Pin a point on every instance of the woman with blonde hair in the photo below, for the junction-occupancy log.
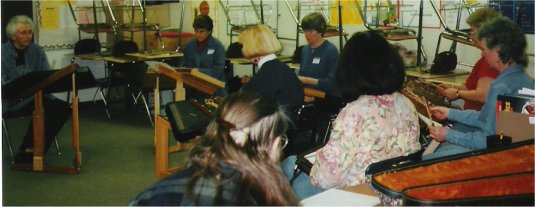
(236, 162)
(273, 78)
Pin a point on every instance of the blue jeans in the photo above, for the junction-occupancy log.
(301, 186)
(447, 148)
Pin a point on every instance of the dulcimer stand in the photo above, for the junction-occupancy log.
(189, 77)
(48, 84)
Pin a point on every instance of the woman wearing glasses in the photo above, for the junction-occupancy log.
(475, 89)
(236, 162)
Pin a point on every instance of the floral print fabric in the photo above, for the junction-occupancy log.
(367, 130)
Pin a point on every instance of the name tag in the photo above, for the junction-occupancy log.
(210, 51)
(316, 60)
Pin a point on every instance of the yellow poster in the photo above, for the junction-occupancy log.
(49, 13)
(350, 14)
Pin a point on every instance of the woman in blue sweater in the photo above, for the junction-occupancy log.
(319, 57)
(205, 52)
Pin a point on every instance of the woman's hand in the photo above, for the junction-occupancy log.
(438, 133)
(439, 112)
(442, 86)
(450, 93)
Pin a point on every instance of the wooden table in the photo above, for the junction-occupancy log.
(90, 56)
(156, 55)
(294, 66)
(124, 59)
(363, 188)
(455, 77)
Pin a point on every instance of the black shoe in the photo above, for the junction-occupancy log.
(24, 158)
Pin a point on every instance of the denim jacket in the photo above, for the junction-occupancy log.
(34, 56)
(508, 82)
(35, 59)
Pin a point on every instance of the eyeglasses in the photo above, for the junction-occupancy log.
(283, 141)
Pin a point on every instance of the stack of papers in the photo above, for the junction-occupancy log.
(527, 92)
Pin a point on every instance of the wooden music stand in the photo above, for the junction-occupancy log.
(192, 78)
(48, 84)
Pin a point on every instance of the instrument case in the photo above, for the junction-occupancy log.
(513, 159)
(507, 190)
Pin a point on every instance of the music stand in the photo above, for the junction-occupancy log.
(46, 82)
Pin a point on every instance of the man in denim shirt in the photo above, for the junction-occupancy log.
(19, 57)
(504, 46)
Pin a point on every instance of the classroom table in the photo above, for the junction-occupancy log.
(247, 61)
(363, 188)
(156, 55)
(124, 59)
(294, 66)
(457, 76)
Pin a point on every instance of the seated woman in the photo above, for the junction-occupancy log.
(378, 123)
(205, 52)
(274, 78)
(236, 162)
(475, 89)
(504, 49)
(319, 56)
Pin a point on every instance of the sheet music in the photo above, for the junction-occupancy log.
(526, 92)
(337, 197)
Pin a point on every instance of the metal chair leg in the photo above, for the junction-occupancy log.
(8, 141)
(147, 109)
(105, 103)
(136, 98)
(57, 146)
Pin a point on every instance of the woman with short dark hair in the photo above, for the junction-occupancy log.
(205, 52)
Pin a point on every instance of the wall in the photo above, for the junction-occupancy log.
(286, 25)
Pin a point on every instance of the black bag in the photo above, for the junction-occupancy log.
(444, 63)
(186, 120)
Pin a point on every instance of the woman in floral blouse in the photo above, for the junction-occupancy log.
(378, 123)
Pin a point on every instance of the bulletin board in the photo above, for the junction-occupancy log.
(55, 25)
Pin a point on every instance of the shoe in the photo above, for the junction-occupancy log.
(24, 158)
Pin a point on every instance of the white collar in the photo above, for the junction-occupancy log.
(265, 59)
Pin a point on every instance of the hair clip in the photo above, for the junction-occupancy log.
(226, 123)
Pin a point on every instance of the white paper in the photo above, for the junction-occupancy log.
(311, 157)
(431, 147)
(526, 92)
(336, 197)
